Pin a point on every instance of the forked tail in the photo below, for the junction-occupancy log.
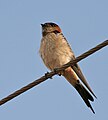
(85, 95)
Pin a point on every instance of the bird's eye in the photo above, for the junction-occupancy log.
(56, 31)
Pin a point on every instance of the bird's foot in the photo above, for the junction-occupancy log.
(47, 75)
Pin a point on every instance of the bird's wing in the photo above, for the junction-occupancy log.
(77, 70)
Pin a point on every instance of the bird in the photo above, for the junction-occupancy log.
(55, 51)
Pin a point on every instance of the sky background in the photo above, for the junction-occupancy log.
(85, 24)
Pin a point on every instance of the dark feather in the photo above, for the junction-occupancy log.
(85, 95)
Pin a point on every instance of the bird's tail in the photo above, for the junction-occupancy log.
(72, 78)
(85, 95)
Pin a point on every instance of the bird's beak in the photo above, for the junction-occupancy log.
(42, 25)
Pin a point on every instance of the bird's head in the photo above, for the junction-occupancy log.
(50, 28)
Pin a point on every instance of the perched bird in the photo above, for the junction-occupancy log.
(55, 52)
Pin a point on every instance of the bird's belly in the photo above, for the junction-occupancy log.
(55, 58)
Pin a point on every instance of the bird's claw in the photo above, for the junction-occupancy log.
(46, 75)
(55, 70)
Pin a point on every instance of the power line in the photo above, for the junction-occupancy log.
(51, 74)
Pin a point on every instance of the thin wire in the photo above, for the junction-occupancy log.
(51, 74)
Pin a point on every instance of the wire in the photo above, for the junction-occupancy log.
(51, 74)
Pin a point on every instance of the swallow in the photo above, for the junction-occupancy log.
(55, 51)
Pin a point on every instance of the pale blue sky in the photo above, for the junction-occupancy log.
(84, 24)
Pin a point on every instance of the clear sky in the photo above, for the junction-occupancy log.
(84, 24)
